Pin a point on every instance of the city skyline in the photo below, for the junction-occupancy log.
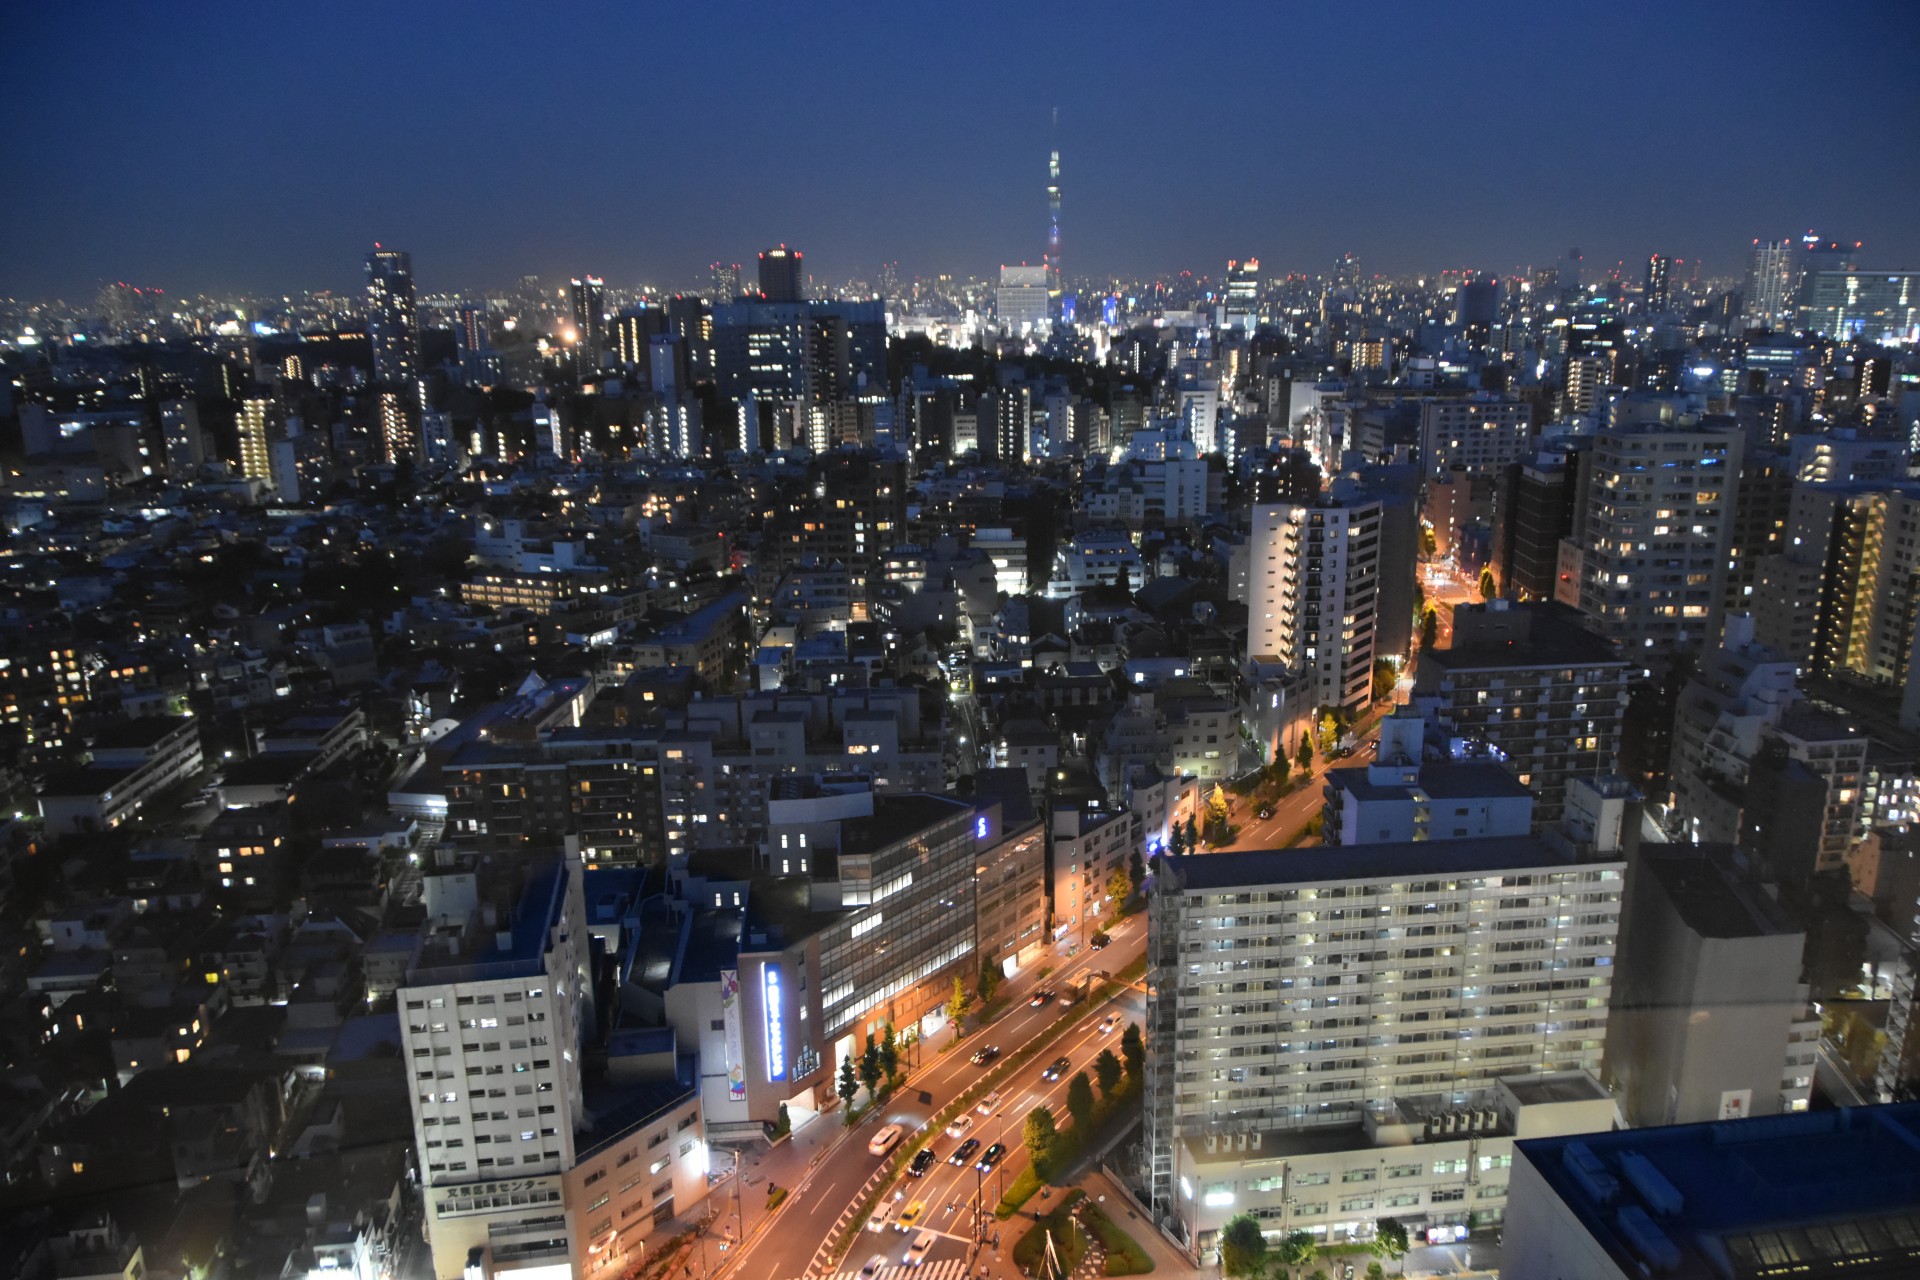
(451, 141)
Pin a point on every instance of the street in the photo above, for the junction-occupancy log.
(830, 1179)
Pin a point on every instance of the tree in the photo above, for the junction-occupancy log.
(890, 1052)
(1329, 733)
(989, 979)
(1488, 587)
(784, 1124)
(1106, 1069)
(1133, 1048)
(1243, 1250)
(1136, 870)
(1217, 812)
(1429, 540)
(849, 1085)
(1193, 834)
(1376, 1272)
(1384, 678)
(870, 1066)
(1119, 885)
(1389, 1240)
(1040, 1137)
(1176, 839)
(957, 1006)
(1304, 755)
(1429, 628)
(1080, 1099)
(1298, 1249)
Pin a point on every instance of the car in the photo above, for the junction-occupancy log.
(885, 1140)
(987, 1104)
(991, 1157)
(922, 1245)
(964, 1152)
(959, 1127)
(1108, 1023)
(985, 1054)
(875, 1265)
(1098, 941)
(922, 1161)
(1266, 811)
(911, 1214)
(1057, 1068)
(1039, 998)
(881, 1216)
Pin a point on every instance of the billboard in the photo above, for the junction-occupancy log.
(776, 1029)
(730, 1018)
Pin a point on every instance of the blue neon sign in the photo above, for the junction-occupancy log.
(776, 1030)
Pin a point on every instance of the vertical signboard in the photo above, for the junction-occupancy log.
(730, 1019)
(776, 1028)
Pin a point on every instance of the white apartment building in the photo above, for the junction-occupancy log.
(1482, 434)
(1314, 585)
(129, 763)
(1741, 690)
(490, 1020)
(1290, 989)
(1660, 513)
(1102, 558)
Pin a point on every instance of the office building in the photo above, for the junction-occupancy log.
(1588, 377)
(1314, 583)
(1827, 1193)
(589, 298)
(1659, 522)
(1538, 502)
(472, 332)
(1873, 306)
(391, 322)
(1242, 300)
(798, 352)
(1010, 873)
(1710, 1020)
(1021, 301)
(1543, 693)
(1265, 1013)
(780, 276)
(1006, 424)
(726, 281)
(183, 438)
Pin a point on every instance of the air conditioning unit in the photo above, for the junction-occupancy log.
(1256, 1140)
(1213, 1144)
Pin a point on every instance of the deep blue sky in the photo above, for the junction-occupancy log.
(204, 146)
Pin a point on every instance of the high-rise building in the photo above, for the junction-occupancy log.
(1243, 291)
(1818, 255)
(1056, 277)
(258, 423)
(1484, 434)
(1659, 521)
(183, 438)
(1530, 682)
(1658, 290)
(1314, 581)
(391, 322)
(491, 1016)
(399, 437)
(1588, 376)
(1538, 504)
(1006, 422)
(1739, 691)
(471, 330)
(1709, 1020)
(726, 281)
(634, 330)
(1877, 306)
(1021, 300)
(589, 296)
(808, 352)
(1266, 1014)
(780, 277)
(1771, 286)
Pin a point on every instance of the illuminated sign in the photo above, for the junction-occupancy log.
(776, 1033)
(980, 827)
(730, 1019)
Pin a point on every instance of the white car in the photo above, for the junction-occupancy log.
(958, 1129)
(881, 1216)
(987, 1104)
(885, 1140)
(922, 1245)
(875, 1265)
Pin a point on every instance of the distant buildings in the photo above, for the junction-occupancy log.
(392, 322)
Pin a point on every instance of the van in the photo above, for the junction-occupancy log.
(922, 1245)
(884, 1141)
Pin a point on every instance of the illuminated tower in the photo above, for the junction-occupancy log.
(1056, 286)
(390, 315)
(1659, 288)
(589, 322)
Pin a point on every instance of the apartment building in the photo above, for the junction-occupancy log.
(1534, 685)
(130, 763)
(1398, 797)
(1482, 434)
(1089, 843)
(1314, 582)
(490, 1021)
(1299, 988)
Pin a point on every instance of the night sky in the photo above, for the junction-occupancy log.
(207, 147)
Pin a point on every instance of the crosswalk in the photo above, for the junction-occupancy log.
(946, 1269)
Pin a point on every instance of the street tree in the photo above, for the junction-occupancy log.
(957, 1006)
(1119, 885)
(1303, 756)
(1389, 1240)
(1080, 1099)
(1106, 1070)
(890, 1052)
(849, 1085)
(870, 1066)
(1488, 587)
(1040, 1137)
(1133, 1049)
(989, 979)
(1429, 628)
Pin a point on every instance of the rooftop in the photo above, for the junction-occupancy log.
(1709, 894)
(1812, 1193)
(1343, 864)
(897, 818)
(1441, 780)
